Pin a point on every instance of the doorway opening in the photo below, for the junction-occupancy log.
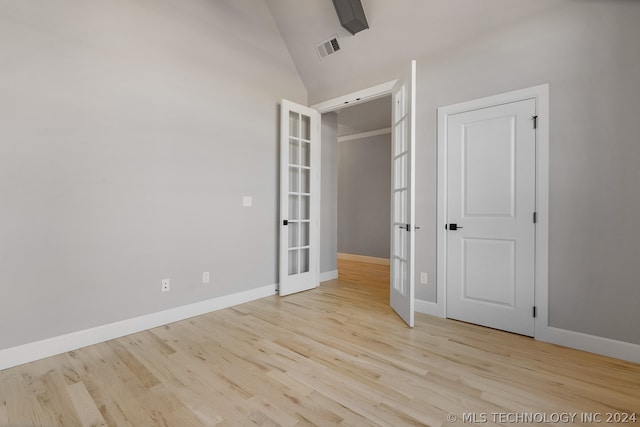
(402, 195)
(363, 150)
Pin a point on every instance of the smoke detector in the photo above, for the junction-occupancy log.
(328, 47)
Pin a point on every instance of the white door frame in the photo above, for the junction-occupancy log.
(541, 287)
(355, 98)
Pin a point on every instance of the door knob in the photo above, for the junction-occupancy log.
(453, 227)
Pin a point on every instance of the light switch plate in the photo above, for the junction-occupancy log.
(424, 278)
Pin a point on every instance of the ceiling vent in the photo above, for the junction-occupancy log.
(328, 47)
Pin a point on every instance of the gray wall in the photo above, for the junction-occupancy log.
(364, 193)
(129, 132)
(588, 52)
(329, 195)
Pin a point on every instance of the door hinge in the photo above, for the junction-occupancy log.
(535, 217)
(535, 311)
(535, 122)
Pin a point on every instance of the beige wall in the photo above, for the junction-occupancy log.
(364, 195)
(129, 132)
(588, 52)
(329, 194)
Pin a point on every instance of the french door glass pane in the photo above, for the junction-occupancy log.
(294, 151)
(294, 179)
(396, 239)
(304, 260)
(304, 234)
(294, 124)
(402, 244)
(397, 283)
(293, 262)
(400, 105)
(293, 235)
(305, 180)
(305, 207)
(294, 207)
(398, 142)
(404, 277)
(400, 207)
(404, 141)
(400, 168)
(306, 127)
(305, 153)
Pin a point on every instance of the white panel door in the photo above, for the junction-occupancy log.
(403, 196)
(299, 198)
(491, 167)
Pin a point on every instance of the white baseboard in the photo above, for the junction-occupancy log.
(591, 343)
(328, 275)
(580, 341)
(428, 307)
(25, 353)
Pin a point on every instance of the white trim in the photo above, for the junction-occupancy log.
(542, 209)
(427, 307)
(61, 344)
(591, 343)
(541, 95)
(328, 275)
(355, 98)
(361, 135)
(577, 340)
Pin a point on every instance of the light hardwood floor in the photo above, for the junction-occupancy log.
(363, 269)
(337, 355)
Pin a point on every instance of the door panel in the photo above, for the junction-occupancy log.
(299, 198)
(491, 199)
(489, 270)
(489, 191)
(403, 196)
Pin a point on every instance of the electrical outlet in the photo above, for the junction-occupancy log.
(424, 279)
(247, 201)
(205, 277)
(166, 285)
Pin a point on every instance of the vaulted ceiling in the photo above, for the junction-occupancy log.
(400, 30)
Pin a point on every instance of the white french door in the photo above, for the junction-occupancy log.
(403, 196)
(491, 199)
(299, 198)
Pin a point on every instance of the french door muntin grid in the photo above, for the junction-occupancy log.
(400, 194)
(299, 193)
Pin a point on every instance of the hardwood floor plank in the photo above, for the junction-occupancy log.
(4, 415)
(86, 410)
(336, 355)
